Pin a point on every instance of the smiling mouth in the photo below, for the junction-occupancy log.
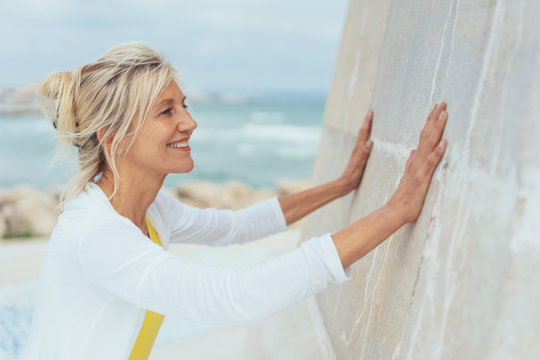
(179, 144)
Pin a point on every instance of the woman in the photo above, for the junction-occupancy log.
(104, 286)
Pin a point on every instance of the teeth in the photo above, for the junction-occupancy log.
(179, 144)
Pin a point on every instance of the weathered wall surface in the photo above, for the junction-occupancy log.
(463, 282)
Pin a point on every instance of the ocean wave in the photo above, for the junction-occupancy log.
(267, 117)
(251, 142)
(283, 133)
(296, 152)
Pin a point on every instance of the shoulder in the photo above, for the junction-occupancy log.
(164, 200)
(166, 206)
(166, 211)
(89, 212)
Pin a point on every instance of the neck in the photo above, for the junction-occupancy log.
(134, 194)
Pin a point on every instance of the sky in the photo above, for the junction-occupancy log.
(216, 45)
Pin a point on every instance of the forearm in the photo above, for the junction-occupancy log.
(296, 206)
(362, 236)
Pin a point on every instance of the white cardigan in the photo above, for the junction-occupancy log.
(99, 274)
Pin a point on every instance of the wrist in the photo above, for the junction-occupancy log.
(395, 213)
(342, 187)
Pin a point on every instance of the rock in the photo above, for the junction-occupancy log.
(10, 196)
(202, 194)
(3, 225)
(4, 197)
(29, 212)
(261, 195)
(238, 189)
(238, 194)
(232, 195)
(55, 192)
(285, 187)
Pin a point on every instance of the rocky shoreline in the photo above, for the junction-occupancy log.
(26, 211)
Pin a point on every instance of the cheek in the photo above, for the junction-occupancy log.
(147, 145)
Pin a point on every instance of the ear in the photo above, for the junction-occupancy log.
(100, 133)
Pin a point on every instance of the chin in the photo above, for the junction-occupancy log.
(186, 168)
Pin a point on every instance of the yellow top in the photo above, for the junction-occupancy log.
(152, 320)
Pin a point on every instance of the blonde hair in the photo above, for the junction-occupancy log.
(110, 93)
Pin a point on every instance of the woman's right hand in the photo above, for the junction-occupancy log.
(410, 194)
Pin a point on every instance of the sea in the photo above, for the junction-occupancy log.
(257, 141)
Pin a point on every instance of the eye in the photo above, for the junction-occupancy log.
(166, 111)
(185, 103)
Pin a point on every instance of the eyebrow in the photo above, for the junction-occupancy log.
(170, 101)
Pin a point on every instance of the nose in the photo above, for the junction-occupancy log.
(186, 123)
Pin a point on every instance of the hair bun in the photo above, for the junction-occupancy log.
(56, 97)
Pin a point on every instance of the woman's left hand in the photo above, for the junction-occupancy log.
(351, 177)
(296, 206)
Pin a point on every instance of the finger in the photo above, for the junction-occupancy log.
(431, 135)
(440, 108)
(428, 126)
(434, 114)
(440, 125)
(435, 157)
(363, 152)
(411, 155)
(369, 146)
(365, 129)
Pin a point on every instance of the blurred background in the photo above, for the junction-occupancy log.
(256, 74)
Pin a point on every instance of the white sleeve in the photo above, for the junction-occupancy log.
(131, 267)
(222, 227)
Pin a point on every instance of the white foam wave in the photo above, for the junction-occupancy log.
(266, 117)
(285, 133)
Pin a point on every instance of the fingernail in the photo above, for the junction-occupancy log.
(369, 144)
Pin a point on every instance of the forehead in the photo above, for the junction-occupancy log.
(171, 93)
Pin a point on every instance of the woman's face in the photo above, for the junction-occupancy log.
(161, 145)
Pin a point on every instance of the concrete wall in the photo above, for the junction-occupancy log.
(463, 282)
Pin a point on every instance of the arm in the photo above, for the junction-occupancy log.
(405, 205)
(119, 259)
(224, 227)
(221, 227)
(296, 206)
